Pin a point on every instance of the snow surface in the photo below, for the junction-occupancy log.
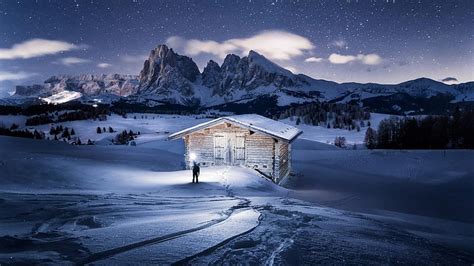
(328, 135)
(110, 204)
(62, 97)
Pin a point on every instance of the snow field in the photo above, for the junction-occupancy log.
(156, 127)
(122, 204)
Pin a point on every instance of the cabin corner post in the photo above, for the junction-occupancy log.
(276, 168)
(186, 152)
(289, 158)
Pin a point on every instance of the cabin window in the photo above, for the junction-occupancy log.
(227, 124)
(265, 166)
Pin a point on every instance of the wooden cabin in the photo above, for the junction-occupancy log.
(248, 140)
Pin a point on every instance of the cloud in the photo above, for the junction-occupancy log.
(368, 59)
(314, 59)
(450, 80)
(104, 65)
(36, 48)
(9, 76)
(341, 59)
(133, 58)
(273, 44)
(339, 43)
(69, 61)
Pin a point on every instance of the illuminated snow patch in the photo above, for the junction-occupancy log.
(62, 97)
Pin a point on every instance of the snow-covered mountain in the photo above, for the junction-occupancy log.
(173, 78)
(168, 77)
(176, 79)
(59, 89)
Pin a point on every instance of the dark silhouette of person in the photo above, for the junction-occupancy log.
(196, 172)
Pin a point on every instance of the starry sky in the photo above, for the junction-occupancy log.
(384, 41)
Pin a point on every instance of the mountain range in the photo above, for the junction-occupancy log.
(170, 78)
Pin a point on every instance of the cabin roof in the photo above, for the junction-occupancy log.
(253, 122)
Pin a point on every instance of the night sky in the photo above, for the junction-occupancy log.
(363, 41)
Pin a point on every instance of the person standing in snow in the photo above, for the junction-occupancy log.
(196, 171)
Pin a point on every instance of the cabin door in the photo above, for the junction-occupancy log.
(229, 149)
(220, 147)
(239, 150)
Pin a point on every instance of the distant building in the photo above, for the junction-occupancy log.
(248, 140)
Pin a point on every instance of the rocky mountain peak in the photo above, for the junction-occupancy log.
(253, 54)
(162, 57)
(212, 76)
(212, 65)
(230, 62)
(257, 60)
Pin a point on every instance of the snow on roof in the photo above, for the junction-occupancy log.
(252, 121)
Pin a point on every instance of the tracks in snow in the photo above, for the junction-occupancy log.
(240, 211)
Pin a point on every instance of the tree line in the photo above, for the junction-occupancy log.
(330, 115)
(96, 114)
(13, 131)
(431, 132)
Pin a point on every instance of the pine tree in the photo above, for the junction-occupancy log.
(123, 138)
(111, 130)
(340, 142)
(73, 132)
(99, 130)
(298, 121)
(66, 134)
(36, 135)
(370, 139)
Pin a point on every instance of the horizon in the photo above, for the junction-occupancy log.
(343, 41)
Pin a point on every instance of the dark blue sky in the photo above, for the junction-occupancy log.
(364, 41)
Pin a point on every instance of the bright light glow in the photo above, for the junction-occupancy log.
(192, 156)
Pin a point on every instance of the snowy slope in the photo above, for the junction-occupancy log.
(133, 205)
(328, 135)
(159, 127)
